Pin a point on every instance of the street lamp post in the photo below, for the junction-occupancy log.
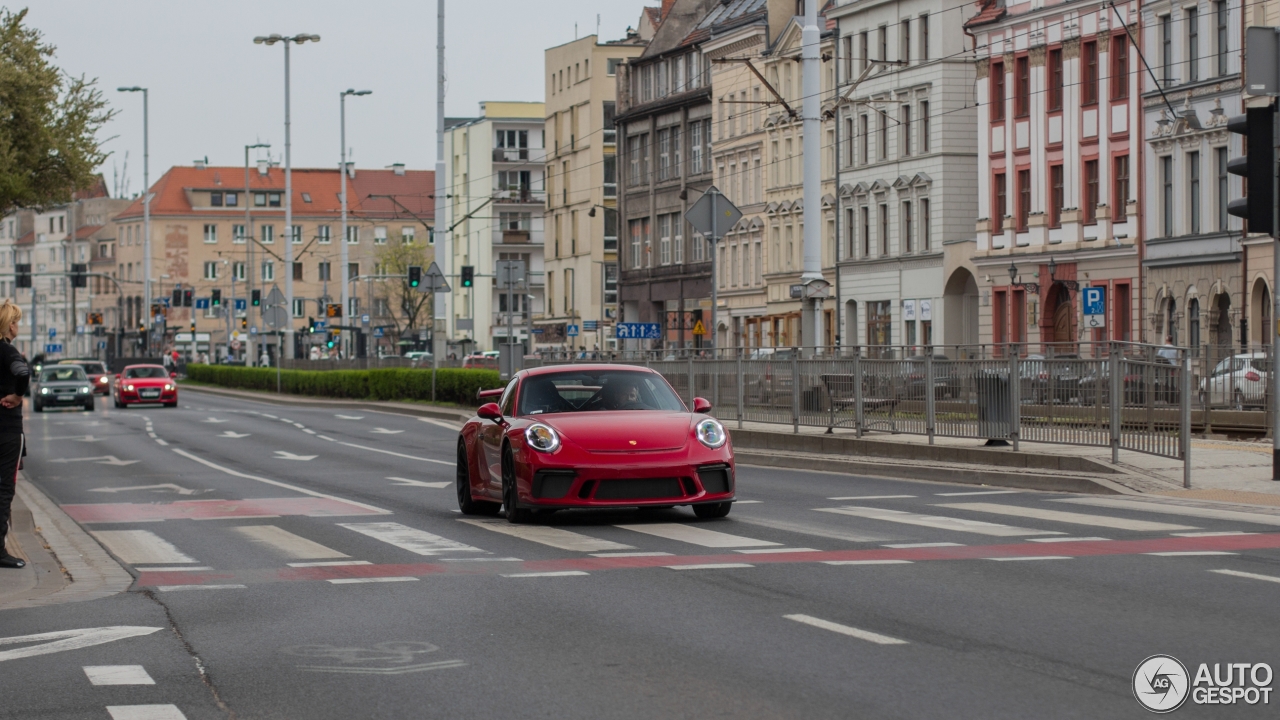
(248, 245)
(288, 174)
(342, 170)
(146, 212)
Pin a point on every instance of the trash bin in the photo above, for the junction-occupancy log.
(811, 400)
(994, 422)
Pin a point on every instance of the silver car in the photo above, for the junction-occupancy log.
(61, 386)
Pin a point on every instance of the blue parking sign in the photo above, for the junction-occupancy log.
(1095, 300)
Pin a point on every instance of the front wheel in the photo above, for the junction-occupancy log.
(709, 511)
(467, 504)
(511, 496)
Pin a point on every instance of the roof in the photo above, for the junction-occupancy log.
(680, 26)
(730, 11)
(989, 11)
(321, 186)
(84, 232)
(28, 239)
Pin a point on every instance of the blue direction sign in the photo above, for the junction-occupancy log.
(590, 325)
(202, 303)
(1095, 300)
(102, 344)
(639, 331)
(571, 330)
(539, 331)
(53, 333)
(241, 304)
(53, 348)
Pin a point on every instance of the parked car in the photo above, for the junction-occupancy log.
(61, 386)
(946, 379)
(97, 373)
(1139, 379)
(768, 381)
(1051, 380)
(1239, 381)
(487, 360)
(140, 384)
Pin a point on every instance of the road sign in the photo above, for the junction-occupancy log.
(53, 348)
(253, 329)
(510, 272)
(590, 325)
(538, 331)
(434, 281)
(235, 334)
(235, 344)
(377, 332)
(321, 325)
(53, 333)
(639, 331)
(571, 330)
(699, 328)
(241, 304)
(102, 344)
(1095, 300)
(713, 214)
(273, 311)
(202, 303)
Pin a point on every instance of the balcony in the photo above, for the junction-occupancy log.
(515, 237)
(519, 155)
(518, 319)
(643, 275)
(520, 196)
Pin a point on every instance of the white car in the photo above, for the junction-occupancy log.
(1238, 381)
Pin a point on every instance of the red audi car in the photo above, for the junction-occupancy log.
(139, 384)
(592, 436)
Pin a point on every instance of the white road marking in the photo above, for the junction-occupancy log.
(805, 529)
(233, 434)
(309, 431)
(163, 486)
(1170, 509)
(142, 547)
(1068, 539)
(418, 542)
(709, 566)
(346, 417)
(1212, 534)
(867, 635)
(632, 554)
(866, 562)
(1030, 557)
(450, 463)
(871, 497)
(697, 535)
(562, 573)
(286, 455)
(325, 437)
(277, 483)
(118, 675)
(145, 712)
(384, 431)
(473, 559)
(555, 537)
(273, 417)
(286, 420)
(442, 423)
(286, 543)
(214, 420)
(180, 588)
(101, 460)
(300, 426)
(1251, 576)
(979, 492)
(767, 551)
(1115, 523)
(177, 568)
(904, 546)
(938, 522)
(161, 442)
(1189, 553)
(406, 482)
(63, 640)
(328, 563)
(357, 581)
(747, 502)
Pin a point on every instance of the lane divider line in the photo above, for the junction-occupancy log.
(1251, 576)
(564, 573)
(867, 635)
(277, 483)
(402, 455)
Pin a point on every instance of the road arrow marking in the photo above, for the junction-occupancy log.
(103, 460)
(406, 482)
(162, 487)
(349, 417)
(64, 640)
(215, 420)
(234, 434)
(384, 431)
(286, 455)
(79, 438)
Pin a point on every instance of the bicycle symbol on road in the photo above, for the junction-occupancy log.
(385, 658)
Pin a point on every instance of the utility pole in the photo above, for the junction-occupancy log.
(811, 66)
(248, 246)
(441, 303)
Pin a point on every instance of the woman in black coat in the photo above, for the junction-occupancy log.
(15, 377)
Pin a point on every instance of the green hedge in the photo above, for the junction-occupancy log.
(452, 385)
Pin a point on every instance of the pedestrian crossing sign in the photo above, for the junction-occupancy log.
(699, 328)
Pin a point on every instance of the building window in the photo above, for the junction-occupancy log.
(407, 235)
(1024, 199)
(1166, 186)
(1193, 190)
(637, 242)
(866, 231)
(997, 91)
(926, 240)
(924, 126)
(273, 199)
(215, 199)
(904, 128)
(268, 271)
(1193, 322)
(211, 270)
(1001, 204)
(1090, 191)
(238, 271)
(879, 323)
(211, 233)
(610, 176)
(1193, 45)
(353, 235)
(1220, 11)
(299, 307)
(883, 145)
(865, 45)
(864, 134)
(924, 37)
(884, 230)
(1120, 188)
(1022, 87)
(380, 235)
(1056, 195)
(904, 41)
(268, 233)
(1089, 80)
(324, 271)
(664, 154)
(1220, 161)
(695, 147)
(260, 199)
(297, 271)
(1119, 67)
(908, 227)
(1054, 100)
(324, 235)
(664, 242)
(633, 157)
(233, 199)
(353, 270)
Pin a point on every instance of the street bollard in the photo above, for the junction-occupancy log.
(930, 409)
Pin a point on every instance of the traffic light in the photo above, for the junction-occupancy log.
(193, 326)
(468, 276)
(177, 296)
(78, 275)
(1257, 167)
(333, 310)
(244, 323)
(188, 297)
(415, 276)
(216, 297)
(311, 324)
(257, 297)
(333, 338)
(23, 275)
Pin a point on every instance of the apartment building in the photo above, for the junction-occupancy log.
(495, 166)
(209, 231)
(908, 159)
(1059, 119)
(581, 254)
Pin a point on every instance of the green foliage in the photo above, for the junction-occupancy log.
(48, 122)
(410, 309)
(452, 385)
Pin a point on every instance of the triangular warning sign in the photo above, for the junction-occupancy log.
(699, 328)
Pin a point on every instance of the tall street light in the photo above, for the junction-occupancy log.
(146, 213)
(288, 176)
(248, 246)
(342, 170)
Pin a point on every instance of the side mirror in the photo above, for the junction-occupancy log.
(701, 405)
(490, 411)
(173, 376)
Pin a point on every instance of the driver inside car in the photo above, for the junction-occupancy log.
(623, 394)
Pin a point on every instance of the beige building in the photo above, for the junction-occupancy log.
(581, 255)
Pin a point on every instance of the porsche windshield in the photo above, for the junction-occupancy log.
(577, 391)
(145, 372)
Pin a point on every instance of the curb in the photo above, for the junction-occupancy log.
(459, 416)
(70, 565)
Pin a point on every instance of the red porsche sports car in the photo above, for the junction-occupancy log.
(592, 436)
(145, 384)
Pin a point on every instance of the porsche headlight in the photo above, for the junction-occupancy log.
(711, 433)
(542, 438)
(44, 391)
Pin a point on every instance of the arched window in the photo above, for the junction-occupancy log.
(1193, 323)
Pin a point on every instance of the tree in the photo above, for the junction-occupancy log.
(408, 307)
(49, 122)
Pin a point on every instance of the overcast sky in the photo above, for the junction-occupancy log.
(213, 91)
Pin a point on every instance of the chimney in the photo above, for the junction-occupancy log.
(264, 166)
(397, 168)
(201, 163)
(351, 170)
(666, 7)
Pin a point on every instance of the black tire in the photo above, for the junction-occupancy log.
(708, 511)
(37, 407)
(88, 407)
(119, 405)
(171, 405)
(467, 504)
(511, 498)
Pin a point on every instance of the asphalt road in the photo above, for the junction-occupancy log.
(311, 563)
